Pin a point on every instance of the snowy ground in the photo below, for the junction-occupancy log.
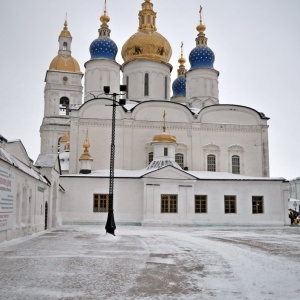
(153, 263)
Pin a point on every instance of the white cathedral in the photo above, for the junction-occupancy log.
(180, 158)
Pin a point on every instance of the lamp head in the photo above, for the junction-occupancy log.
(106, 89)
(123, 88)
(122, 102)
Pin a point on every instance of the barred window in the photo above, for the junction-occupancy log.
(179, 159)
(200, 204)
(169, 203)
(150, 157)
(165, 151)
(211, 162)
(230, 204)
(235, 161)
(257, 204)
(101, 202)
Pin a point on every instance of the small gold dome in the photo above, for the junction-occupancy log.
(104, 18)
(164, 137)
(147, 43)
(201, 28)
(65, 63)
(64, 138)
(65, 32)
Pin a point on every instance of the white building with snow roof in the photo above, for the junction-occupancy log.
(215, 169)
(28, 196)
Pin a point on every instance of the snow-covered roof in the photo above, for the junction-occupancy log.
(6, 156)
(46, 160)
(130, 104)
(200, 175)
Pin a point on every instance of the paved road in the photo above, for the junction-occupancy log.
(153, 263)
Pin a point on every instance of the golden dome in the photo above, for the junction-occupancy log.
(64, 138)
(65, 63)
(147, 43)
(164, 137)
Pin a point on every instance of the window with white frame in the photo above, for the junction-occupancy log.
(179, 158)
(211, 163)
(236, 159)
(235, 163)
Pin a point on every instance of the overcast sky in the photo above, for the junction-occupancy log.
(256, 45)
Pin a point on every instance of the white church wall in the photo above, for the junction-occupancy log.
(154, 111)
(202, 84)
(76, 205)
(138, 201)
(134, 76)
(272, 193)
(100, 73)
(230, 114)
(29, 196)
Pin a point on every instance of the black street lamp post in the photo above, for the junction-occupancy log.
(110, 223)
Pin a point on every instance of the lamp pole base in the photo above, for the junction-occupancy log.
(110, 223)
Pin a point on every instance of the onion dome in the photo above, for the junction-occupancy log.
(65, 63)
(64, 60)
(147, 43)
(65, 138)
(164, 137)
(103, 47)
(179, 84)
(201, 56)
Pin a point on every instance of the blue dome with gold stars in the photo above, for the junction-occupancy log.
(202, 57)
(179, 87)
(103, 48)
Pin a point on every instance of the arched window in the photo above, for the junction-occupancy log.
(65, 46)
(150, 157)
(146, 85)
(166, 87)
(235, 162)
(179, 159)
(211, 163)
(64, 106)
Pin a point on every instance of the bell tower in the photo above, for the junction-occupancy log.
(63, 89)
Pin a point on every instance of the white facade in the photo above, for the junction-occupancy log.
(220, 150)
(137, 73)
(137, 198)
(99, 74)
(28, 198)
(202, 87)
